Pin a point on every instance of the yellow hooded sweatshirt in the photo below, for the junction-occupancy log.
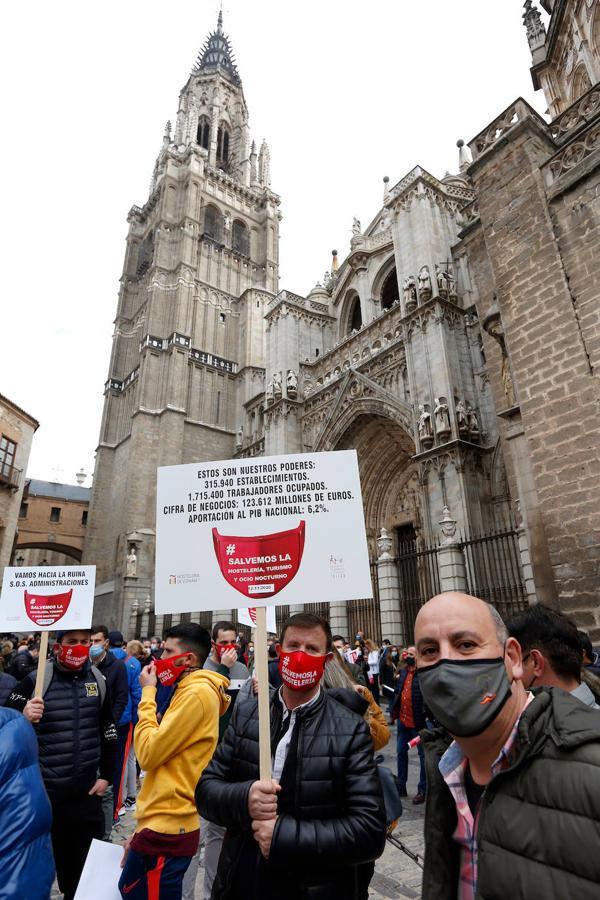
(175, 753)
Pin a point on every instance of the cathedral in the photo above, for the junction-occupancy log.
(457, 348)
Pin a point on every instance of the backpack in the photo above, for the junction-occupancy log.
(98, 676)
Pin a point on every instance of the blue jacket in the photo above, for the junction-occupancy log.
(7, 683)
(135, 691)
(418, 705)
(26, 862)
(118, 652)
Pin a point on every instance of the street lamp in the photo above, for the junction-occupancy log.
(20, 560)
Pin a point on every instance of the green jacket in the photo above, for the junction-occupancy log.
(538, 833)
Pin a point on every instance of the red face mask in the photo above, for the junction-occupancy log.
(169, 670)
(72, 657)
(300, 671)
(223, 648)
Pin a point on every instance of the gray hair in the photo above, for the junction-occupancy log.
(499, 626)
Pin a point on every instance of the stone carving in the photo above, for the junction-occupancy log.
(462, 418)
(292, 384)
(239, 438)
(227, 221)
(131, 562)
(409, 289)
(277, 389)
(442, 417)
(447, 526)
(473, 423)
(445, 282)
(147, 604)
(269, 394)
(424, 283)
(356, 226)
(384, 544)
(425, 426)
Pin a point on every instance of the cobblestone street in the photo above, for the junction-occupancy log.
(396, 875)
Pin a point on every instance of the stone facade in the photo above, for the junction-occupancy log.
(16, 435)
(52, 524)
(456, 347)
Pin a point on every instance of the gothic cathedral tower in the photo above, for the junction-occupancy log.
(188, 352)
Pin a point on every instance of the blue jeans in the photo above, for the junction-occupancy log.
(404, 736)
(153, 877)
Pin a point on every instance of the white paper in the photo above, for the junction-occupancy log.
(246, 617)
(47, 598)
(101, 873)
(315, 494)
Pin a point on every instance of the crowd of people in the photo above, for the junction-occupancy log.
(504, 717)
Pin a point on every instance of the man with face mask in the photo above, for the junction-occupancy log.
(77, 739)
(409, 712)
(304, 832)
(224, 660)
(172, 754)
(509, 809)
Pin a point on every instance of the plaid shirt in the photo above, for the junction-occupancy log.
(452, 767)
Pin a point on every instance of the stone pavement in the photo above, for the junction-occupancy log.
(396, 875)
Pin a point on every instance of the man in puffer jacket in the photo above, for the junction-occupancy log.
(304, 833)
(26, 864)
(77, 738)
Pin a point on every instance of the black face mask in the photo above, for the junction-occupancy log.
(410, 660)
(465, 695)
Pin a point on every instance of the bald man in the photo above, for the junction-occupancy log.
(513, 799)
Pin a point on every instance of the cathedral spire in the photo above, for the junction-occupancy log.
(536, 31)
(217, 54)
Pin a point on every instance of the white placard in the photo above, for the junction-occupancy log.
(247, 616)
(102, 867)
(47, 598)
(273, 530)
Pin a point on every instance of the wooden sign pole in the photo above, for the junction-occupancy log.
(262, 677)
(41, 668)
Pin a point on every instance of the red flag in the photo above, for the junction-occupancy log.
(262, 565)
(46, 609)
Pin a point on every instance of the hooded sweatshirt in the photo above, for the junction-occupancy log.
(175, 754)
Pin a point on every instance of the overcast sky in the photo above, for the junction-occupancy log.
(344, 92)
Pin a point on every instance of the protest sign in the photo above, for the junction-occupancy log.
(280, 529)
(247, 616)
(275, 530)
(48, 598)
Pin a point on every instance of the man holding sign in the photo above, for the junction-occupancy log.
(305, 831)
(77, 740)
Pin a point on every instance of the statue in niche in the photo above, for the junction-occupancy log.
(409, 289)
(445, 281)
(462, 417)
(425, 426)
(131, 562)
(356, 226)
(226, 221)
(424, 282)
(442, 417)
(473, 421)
(239, 438)
(270, 394)
(291, 382)
(277, 389)
(492, 323)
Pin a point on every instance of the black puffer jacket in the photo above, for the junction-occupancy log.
(76, 735)
(331, 814)
(539, 820)
(7, 683)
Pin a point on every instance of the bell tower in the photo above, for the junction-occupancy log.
(201, 265)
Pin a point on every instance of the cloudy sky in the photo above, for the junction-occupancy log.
(344, 92)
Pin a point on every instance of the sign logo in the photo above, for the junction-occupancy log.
(172, 579)
(263, 564)
(47, 609)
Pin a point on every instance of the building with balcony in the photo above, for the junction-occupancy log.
(16, 435)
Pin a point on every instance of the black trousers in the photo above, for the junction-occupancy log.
(76, 820)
